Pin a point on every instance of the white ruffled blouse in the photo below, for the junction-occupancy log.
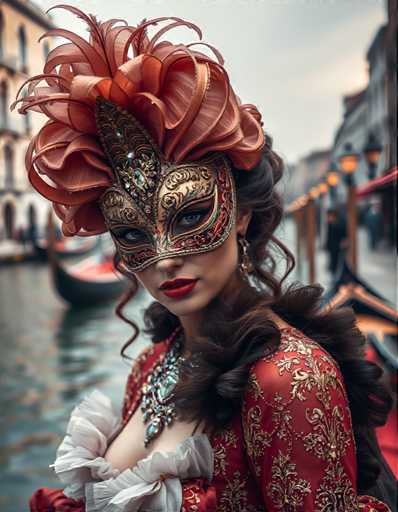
(81, 466)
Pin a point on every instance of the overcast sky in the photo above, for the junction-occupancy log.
(294, 59)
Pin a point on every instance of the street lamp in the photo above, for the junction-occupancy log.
(323, 188)
(349, 161)
(348, 164)
(332, 179)
(372, 151)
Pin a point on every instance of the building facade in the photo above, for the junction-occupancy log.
(353, 130)
(307, 173)
(391, 37)
(373, 110)
(377, 121)
(21, 56)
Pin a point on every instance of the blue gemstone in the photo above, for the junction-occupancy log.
(139, 178)
(153, 428)
(167, 387)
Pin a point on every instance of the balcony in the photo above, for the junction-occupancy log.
(10, 63)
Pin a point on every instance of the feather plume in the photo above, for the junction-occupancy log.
(182, 96)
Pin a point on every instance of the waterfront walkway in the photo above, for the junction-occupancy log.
(378, 268)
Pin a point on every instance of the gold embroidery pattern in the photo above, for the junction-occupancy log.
(295, 343)
(220, 462)
(227, 437)
(308, 373)
(323, 379)
(255, 437)
(335, 491)
(191, 498)
(282, 418)
(234, 498)
(230, 438)
(286, 489)
(255, 387)
(329, 440)
(286, 364)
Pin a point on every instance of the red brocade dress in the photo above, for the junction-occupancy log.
(290, 449)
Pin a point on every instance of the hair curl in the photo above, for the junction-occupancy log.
(238, 331)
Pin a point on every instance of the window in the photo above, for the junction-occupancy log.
(22, 48)
(9, 220)
(1, 35)
(9, 167)
(32, 216)
(3, 104)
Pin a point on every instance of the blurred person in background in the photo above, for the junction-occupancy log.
(374, 225)
(336, 239)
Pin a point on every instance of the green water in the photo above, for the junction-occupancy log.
(50, 357)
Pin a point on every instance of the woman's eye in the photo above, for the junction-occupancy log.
(131, 236)
(190, 219)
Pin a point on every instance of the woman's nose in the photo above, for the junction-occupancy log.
(169, 265)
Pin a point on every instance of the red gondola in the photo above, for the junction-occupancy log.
(377, 319)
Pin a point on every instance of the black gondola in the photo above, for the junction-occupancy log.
(375, 314)
(92, 281)
(88, 282)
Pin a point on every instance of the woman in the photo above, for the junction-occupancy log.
(250, 398)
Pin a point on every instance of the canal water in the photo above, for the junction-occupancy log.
(50, 358)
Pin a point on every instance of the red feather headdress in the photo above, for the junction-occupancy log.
(180, 95)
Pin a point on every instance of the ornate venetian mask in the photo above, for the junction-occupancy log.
(157, 209)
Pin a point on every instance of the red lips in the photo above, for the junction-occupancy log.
(178, 287)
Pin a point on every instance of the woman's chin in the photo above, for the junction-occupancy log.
(187, 306)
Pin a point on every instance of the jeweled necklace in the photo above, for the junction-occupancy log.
(156, 405)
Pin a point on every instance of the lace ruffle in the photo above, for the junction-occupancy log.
(153, 484)
(80, 455)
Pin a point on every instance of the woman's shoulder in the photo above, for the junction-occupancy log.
(140, 364)
(141, 367)
(298, 367)
(148, 357)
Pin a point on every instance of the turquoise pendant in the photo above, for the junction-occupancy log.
(156, 404)
(166, 387)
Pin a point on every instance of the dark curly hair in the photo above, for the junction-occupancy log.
(238, 330)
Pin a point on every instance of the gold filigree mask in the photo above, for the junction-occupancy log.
(157, 209)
